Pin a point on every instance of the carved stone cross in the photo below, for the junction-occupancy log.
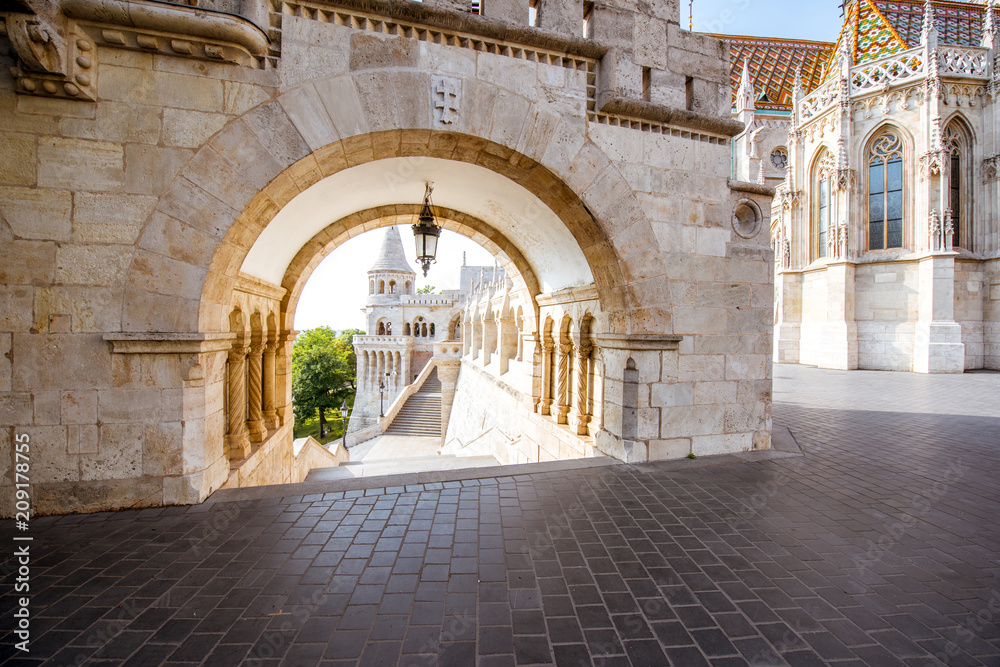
(446, 99)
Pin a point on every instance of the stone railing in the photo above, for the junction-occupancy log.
(382, 341)
(426, 300)
(881, 74)
(965, 61)
(819, 100)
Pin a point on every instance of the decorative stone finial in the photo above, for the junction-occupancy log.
(745, 96)
(930, 27)
(989, 26)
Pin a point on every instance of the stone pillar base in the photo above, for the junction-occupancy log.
(938, 348)
(238, 447)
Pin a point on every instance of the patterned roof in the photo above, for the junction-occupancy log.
(957, 22)
(772, 64)
(873, 29)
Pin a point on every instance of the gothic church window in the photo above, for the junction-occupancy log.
(822, 208)
(885, 193)
(958, 143)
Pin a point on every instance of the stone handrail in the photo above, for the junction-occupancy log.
(379, 428)
(381, 341)
(890, 71)
(819, 100)
(965, 61)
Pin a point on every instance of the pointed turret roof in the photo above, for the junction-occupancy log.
(391, 258)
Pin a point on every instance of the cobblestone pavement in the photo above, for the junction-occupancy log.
(879, 546)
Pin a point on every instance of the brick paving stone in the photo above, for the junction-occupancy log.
(877, 546)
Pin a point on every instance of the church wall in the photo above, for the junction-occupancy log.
(971, 293)
(991, 323)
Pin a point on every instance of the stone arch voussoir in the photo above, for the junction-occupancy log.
(240, 180)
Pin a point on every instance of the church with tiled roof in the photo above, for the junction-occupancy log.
(883, 146)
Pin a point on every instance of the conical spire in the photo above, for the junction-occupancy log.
(391, 258)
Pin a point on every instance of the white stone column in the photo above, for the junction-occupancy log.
(562, 383)
(447, 370)
(270, 414)
(580, 416)
(237, 443)
(255, 418)
(937, 346)
(548, 349)
(842, 351)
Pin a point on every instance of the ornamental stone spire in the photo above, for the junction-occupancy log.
(391, 258)
(745, 96)
(989, 27)
(930, 27)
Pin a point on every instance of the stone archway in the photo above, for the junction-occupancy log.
(255, 166)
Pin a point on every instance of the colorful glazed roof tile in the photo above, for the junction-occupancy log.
(773, 63)
(957, 22)
(872, 29)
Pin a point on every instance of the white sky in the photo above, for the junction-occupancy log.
(336, 292)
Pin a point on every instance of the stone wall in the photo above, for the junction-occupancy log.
(489, 417)
(128, 223)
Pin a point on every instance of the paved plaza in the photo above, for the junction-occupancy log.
(878, 545)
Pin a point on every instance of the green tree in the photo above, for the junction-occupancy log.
(323, 372)
(427, 289)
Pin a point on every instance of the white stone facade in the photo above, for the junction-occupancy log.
(921, 293)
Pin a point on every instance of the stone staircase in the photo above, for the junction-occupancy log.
(407, 466)
(421, 414)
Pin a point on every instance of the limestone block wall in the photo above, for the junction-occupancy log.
(971, 294)
(490, 417)
(991, 309)
(126, 224)
(78, 185)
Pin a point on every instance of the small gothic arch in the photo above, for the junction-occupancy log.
(381, 287)
(822, 210)
(958, 141)
(392, 287)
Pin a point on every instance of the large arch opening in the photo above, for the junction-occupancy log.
(538, 252)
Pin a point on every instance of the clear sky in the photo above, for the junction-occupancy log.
(817, 20)
(335, 294)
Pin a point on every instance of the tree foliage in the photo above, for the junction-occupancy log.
(323, 372)
(427, 289)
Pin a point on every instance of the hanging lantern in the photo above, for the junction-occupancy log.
(426, 233)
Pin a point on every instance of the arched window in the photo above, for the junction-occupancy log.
(823, 172)
(406, 329)
(371, 286)
(958, 142)
(392, 287)
(381, 287)
(381, 329)
(432, 330)
(406, 289)
(885, 193)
